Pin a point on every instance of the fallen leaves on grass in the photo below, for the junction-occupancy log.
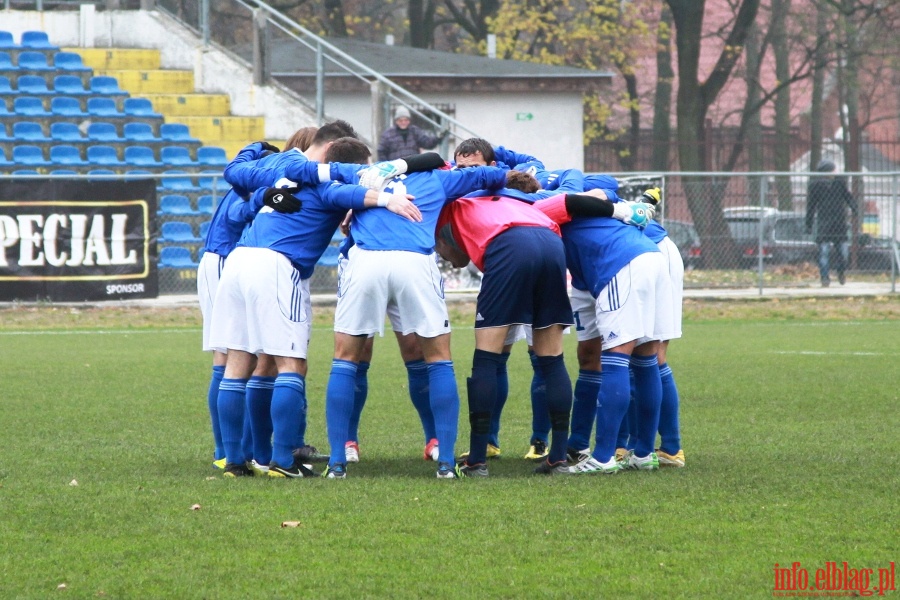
(73, 483)
(195, 507)
(291, 523)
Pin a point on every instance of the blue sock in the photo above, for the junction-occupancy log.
(584, 409)
(247, 435)
(417, 374)
(540, 416)
(648, 397)
(482, 394)
(231, 404)
(288, 408)
(669, 429)
(259, 409)
(360, 393)
(212, 401)
(339, 400)
(444, 407)
(631, 420)
(612, 403)
(502, 396)
(559, 403)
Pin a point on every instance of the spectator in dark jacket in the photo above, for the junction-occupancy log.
(826, 209)
(404, 139)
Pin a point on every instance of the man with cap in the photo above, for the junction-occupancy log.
(826, 208)
(404, 138)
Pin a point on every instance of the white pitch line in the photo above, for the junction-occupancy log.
(821, 353)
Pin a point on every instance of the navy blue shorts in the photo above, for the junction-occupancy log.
(524, 280)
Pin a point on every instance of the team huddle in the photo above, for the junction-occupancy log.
(522, 226)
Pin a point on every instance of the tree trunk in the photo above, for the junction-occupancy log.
(662, 105)
(754, 120)
(818, 89)
(782, 153)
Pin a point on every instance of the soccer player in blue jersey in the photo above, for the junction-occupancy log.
(263, 304)
(393, 260)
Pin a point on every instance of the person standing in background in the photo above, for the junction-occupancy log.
(826, 208)
(404, 139)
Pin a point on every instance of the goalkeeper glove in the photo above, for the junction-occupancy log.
(282, 199)
(652, 196)
(634, 213)
(266, 146)
(375, 176)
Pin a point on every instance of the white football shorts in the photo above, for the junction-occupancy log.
(393, 312)
(261, 305)
(636, 305)
(373, 280)
(676, 275)
(208, 274)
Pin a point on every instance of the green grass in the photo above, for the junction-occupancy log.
(791, 457)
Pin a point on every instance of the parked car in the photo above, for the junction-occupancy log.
(779, 236)
(875, 253)
(685, 237)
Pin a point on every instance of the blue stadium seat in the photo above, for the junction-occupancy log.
(30, 106)
(176, 204)
(69, 85)
(103, 107)
(63, 172)
(6, 88)
(65, 132)
(213, 181)
(29, 131)
(176, 156)
(7, 42)
(69, 61)
(28, 155)
(65, 106)
(104, 85)
(38, 40)
(67, 155)
(206, 204)
(101, 172)
(204, 229)
(25, 172)
(212, 156)
(34, 61)
(176, 257)
(4, 136)
(33, 85)
(103, 132)
(176, 132)
(139, 107)
(104, 155)
(179, 184)
(6, 63)
(139, 132)
(177, 231)
(4, 162)
(329, 258)
(4, 112)
(140, 156)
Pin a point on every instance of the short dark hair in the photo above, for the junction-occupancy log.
(474, 145)
(333, 131)
(524, 182)
(348, 150)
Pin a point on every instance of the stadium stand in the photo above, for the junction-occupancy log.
(34, 61)
(140, 132)
(104, 156)
(70, 61)
(101, 131)
(69, 85)
(176, 205)
(29, 155)
(33, 85)
(179, 232)
(104, 107)
(37, 40)
(66, 106)
(67, 155)
(7, 42)
(141, 156)
(29, 106)
(29, 131)
(66, 132)
(176, 257)
(206, 204)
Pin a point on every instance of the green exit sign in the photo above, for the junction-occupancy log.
(524, 116)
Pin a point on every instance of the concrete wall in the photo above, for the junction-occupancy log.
(214, 71)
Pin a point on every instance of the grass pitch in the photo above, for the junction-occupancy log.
(789, 420)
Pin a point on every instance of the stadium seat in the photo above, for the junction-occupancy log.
(212, 156)
(31, 156)
(206, 204)
(38, 40)
(104, 155)
(69, 61)
(65, 132)
(30, 106)
(140, 156)
(4, 135)
(63, 172)
(33, 85)
(4, 162)
(177, 182)
(103, 107)
(330, 257)
(101, 172)
(177, 231)
(176, 132)
(25, 172)
(4, 112)
(6, 63)
(67, 155)
(139, 174)
(6, 88)
(29, 131)
(7, 42)
(69, 85)
(176, 204)
(65, 106)
(176, 257)
(139, 107)
(204, 229)
(139, 132)
(213, 181)
(34, 61)
(103, 132)
(176, 156)
(106, 86)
